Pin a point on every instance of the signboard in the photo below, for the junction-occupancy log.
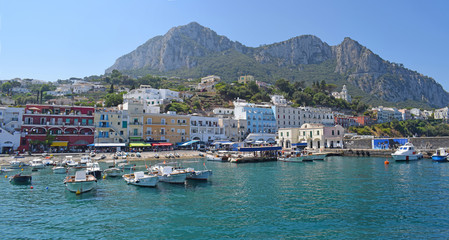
(388, 143)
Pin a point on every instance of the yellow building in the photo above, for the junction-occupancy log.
(170, 127)
(111, 128)
(246, 79)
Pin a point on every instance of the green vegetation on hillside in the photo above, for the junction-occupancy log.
(408, 128)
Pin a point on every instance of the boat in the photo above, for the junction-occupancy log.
(215, 157)
(80, 182)
(126, 166)
(93, 168)
(141, 179)
(198, 175)
(20, 179)
(17, 164)
(85, 159)
(113, 172)
(59, 169)
(302, 156)
(156, 155)
(169, 172)
(406, 152)
(177, 155)
(440, 155)
(37, 163)
(69, 162)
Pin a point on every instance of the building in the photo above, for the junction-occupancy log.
(223, 112)
(291, 117)
(363, 120)
(245, 79)
(235, 130)
(442, 113)
(317, 136)
(278, 100)
(169, 127)
(57, 127)
(152, 96)
(111, 128)
(343, 94)
(135, 110)
(206, 129)
(387, 114)
(10, 125)
(345, 121)
(260, 118)
(208, 83)
(406, 114)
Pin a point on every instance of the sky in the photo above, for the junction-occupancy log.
(51, 40)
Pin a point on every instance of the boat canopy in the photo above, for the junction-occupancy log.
(256, 149)
(188, 143)
(225, 142)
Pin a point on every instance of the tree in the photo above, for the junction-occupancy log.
(113, 99)
(111, 89)
(6, 87)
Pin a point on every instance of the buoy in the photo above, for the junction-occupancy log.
(387, 162)
(31, 187)
(104, 176)
(46, 188)
(22, 169)
(6, 176)
(78, 192)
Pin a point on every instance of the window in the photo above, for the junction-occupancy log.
(162, 131)
(338, 132)
(318, 133)
(173, 121)
(287, 134)
(172, 130)
(149, 121)
(163, 121)
(121, 133)
(135, 132)
(333, 132)
(281, 134)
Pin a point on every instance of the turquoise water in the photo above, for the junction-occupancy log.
(352, 198)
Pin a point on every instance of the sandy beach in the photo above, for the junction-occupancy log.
(149, 156)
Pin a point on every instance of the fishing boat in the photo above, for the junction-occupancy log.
(93, 168)
(440, 155)
(407, 152)
(85, 159)
(301, 156)
(113, 171)
(169, 172)
(69, 162)
(37, 163)
(59, 169)
(255, 154)
(211, 157)
(141, 179)
(198, 175)
(20, 179)
(17, 164)
(80, 182)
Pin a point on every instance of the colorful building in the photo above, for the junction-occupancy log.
(169, 128)
(57, 127)
(111, 128)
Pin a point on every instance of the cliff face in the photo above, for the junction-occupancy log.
(182, 47)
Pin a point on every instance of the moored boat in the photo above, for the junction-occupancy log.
(169, 172)
(37, 163)
(113, 172)
(80, 182)
(141, 179)
(211, 157)
(59, 169)
(407, 152)
(20, 179)
(198, 175)
(440, 155)
(302, 156)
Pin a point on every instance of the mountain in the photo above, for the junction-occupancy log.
(196, 51)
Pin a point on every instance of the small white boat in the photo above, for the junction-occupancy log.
(198, 175)
(169, 173)
(126, 166)
(69, 162)
(85, 159)
(407, 152)
(59, 169)
(440, 155)
(37, 163)
(156, 155)
(215, 157)
(301, 156)
(93, 168)
(80, 183)
(17, 164)
(113, 172)
(141, 179)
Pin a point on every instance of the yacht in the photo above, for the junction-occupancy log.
(406, 152)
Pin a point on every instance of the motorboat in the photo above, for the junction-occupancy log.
(37, 163)
(17, 164)
(198, 175)
(113, 172)
(80, 182)
(59, 170)
(69, 162)
(177, 155)
(141, 179)
(156, 155)
(127, 166)
(302, 156)
(169, 172)
(93, 168)
(440, 155)
(215, 157)
(406, 152)
(20, 179)
(85, 159)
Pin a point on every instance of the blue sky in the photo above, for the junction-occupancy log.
(52, 40)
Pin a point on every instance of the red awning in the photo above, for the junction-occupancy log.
(161, 144)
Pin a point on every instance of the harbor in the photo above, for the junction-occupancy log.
(320, 198)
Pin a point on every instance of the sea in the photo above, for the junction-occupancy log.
(338, 198)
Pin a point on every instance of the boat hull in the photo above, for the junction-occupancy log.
(113, 172)
(81, 186)
(177, 178)
(200, 175)
(405, 157)
(20, 180)
(59, 170)
(147, 181)
(439, 158)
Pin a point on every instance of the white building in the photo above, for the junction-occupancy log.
(294, 117)
(20, 90)
(10, 124)
(81, 87)
(152, 96)
(317, 136)
(208, 82)
(259, 117)
(343, 94)
(387, 114)
(442, 113)
(234, 129)
(223, 111)
(278, 100)
(206, 129)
